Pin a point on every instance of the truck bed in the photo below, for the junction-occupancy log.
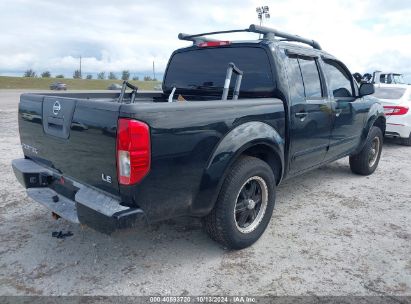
(79, 142)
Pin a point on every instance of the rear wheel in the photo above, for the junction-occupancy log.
(366, 161)
(244, 206)
(406, 141)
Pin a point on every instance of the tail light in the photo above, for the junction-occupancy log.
(133, 151)
(213, 43)
(395, 110)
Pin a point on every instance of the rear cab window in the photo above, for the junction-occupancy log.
(202, 71)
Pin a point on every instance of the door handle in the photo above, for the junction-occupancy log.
(301, 115)
(338, 112)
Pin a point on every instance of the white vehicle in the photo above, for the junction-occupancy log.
(396, 100)
(387, 78)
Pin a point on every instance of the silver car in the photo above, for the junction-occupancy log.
(58, 86)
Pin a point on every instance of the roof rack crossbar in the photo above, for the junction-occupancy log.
(268, 33)
(195, 40)
(198, 38)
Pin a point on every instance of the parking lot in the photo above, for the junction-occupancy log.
(332, 233)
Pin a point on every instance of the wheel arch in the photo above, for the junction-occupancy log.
(268, 155)
(376, 118)
(380, 122)
(255, 139)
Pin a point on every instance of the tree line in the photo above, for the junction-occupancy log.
(125, 75)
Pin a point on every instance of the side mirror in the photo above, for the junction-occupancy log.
(366, 89)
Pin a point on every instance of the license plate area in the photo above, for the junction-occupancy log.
(64, 187)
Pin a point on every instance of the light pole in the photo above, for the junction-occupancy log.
(263, 13)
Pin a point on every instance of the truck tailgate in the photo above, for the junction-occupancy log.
(76, 137)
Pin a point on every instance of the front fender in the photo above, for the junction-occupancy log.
(227, 152)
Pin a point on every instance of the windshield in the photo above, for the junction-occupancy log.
(392, 78)
(389, 93)
(397, 79)
(203, 71)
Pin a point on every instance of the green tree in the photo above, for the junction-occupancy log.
(46, 74)
(29, 73)
(89, 76)
(136, 78)
(125, 75)
(147, 78)
(77, 74)
(101, 75)
(112, 76)
(60, 76)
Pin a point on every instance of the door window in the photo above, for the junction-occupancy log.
(296, 81)
(311, 77)
(338, 79)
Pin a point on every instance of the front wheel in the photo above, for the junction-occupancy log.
(366, 161)
(244, 206)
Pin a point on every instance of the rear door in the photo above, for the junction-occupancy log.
(76, 137)
(310, 113)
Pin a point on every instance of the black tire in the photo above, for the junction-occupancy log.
(365, 162)
(222, 225)
(406, 141)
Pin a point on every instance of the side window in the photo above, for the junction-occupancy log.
(338, 80)
(296, 81)
(311, 77)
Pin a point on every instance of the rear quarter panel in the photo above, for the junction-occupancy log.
(184, 138)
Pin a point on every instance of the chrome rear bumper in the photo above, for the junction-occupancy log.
(90, 206)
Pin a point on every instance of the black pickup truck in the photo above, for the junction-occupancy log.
(206, 146)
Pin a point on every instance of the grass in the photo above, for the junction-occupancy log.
(72, 84)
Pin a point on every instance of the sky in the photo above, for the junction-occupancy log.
(130, 34)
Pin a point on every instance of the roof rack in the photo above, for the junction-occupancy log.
(269, 34)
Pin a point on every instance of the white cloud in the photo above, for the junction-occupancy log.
(51, 35)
